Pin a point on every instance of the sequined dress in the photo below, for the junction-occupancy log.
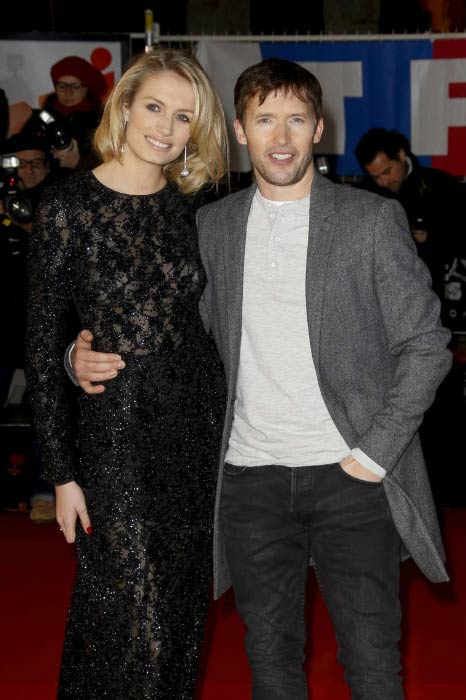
(145, 450)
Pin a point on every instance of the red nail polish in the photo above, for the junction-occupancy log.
(89, 530)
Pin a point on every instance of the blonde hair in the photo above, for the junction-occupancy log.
(207, 147)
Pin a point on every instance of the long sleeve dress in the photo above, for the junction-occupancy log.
(145, 450)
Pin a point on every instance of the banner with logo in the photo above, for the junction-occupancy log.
(416, 86)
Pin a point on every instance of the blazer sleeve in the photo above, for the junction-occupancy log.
(49, 301)
(411, 319)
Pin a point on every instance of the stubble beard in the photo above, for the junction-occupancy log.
(283, 179)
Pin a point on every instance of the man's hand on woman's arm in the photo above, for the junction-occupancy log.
(90, 367)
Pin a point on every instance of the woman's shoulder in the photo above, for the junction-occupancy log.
(65, 194)
(65, 182)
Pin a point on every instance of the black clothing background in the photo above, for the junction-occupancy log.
(4, 115)
(433, 200)
(13, 291)
(144, 451)
(14, 244)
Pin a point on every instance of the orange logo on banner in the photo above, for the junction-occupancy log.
(101, 58)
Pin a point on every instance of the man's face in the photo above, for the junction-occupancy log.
(386, 172)
(280, 134)
(33, 167)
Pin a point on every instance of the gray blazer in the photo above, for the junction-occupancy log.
(375, 336)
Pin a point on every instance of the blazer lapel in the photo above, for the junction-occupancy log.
(321, 231)
(234, 244)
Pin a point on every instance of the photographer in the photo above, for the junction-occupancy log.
(22, 187)
(33, 171)
(76, 104)
(20, 194)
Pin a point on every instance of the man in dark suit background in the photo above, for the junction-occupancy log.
(431, 198)
(330, 336)
(434, 204)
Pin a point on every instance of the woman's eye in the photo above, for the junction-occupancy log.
(153, 107)
(183, 118)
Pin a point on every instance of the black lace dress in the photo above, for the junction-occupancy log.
(145, 450)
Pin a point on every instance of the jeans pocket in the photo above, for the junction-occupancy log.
(355, 479)
(233, 469)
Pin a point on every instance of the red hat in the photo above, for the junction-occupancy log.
(81, 69)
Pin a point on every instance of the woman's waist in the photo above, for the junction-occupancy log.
(168, 344)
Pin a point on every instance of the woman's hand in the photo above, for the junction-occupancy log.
(71, 504)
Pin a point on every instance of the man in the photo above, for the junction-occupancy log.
(34, 165)
(432, 199)
(332, 347)
(33, 175)
(434, 203)
(14, 235)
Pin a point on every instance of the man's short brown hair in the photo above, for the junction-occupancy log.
(277, 75)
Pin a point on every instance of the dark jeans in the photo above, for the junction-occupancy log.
(273, 519)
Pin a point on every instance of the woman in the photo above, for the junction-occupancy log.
(77, 103)
(120, 242)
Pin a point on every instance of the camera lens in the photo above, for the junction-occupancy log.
(19, 208)
(60, 139)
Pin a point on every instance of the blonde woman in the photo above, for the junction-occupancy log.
(119, 242)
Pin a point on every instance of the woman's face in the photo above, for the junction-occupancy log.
(70, 90)
(159, 119)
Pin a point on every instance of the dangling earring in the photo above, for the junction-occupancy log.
(123, 146)
(185, 171)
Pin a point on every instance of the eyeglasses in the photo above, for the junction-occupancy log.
(64, 87)
(35, 163)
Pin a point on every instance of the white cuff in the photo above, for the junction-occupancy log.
(367, 462)
(69, 355)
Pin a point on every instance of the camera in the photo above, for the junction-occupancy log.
(419, 226)
(17, 205)
(47, 127)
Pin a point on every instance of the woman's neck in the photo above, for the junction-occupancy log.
(131, 178)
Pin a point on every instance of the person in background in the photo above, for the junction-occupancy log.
(431, 198)
(34, 174)
(434, 204)
(120, 243)
(77, 103)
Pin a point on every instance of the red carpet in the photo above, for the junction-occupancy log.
(36, 571)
